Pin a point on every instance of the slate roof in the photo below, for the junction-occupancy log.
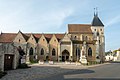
(79, 28)
(96, 21)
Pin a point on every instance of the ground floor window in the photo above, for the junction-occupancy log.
(42, 51)
(31, 51)
(89, 51)
(53, 52)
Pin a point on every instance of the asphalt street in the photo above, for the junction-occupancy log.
(103, 72)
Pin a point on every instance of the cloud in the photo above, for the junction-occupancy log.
(40, 16)
(113, 21)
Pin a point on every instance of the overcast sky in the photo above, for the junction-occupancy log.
(52, 16)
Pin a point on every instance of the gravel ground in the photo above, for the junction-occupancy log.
(39, 71)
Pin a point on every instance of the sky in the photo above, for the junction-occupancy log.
(53, 16)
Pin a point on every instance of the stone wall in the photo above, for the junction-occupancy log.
(8, 48)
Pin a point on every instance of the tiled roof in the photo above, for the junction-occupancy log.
(37, 36)
(7, 37)
(79, 28)
(59, 36)
(48, 37)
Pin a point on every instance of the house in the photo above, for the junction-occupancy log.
(109, 56)
(116, 55)
(9, 56)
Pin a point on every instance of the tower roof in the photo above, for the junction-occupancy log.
(96, 21)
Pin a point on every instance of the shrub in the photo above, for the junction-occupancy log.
(33, 61)
(2, 74)
(23, 66)
(92, 63)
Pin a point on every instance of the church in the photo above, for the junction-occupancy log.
(82, 43)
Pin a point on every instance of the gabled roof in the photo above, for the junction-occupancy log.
(7, 37)
(79, 28)
(48, 37)
(26, 37)
(96, 21)
(66, 38)
(37, 36)
(30, 36)
(59, 36)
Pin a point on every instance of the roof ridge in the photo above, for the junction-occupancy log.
(79, 24)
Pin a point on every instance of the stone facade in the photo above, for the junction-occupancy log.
(8, 49)
(81, 40)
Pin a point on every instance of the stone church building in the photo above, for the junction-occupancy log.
(82, 41)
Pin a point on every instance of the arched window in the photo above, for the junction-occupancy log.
(42, 51)
(90, 52)
(86, 38)
(31, 51)
(77, 51)
(53, 52)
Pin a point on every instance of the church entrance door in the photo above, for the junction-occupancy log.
(65, 55)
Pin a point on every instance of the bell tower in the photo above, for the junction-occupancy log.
(97, 28)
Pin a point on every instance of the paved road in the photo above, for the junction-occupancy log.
(104, 72)
(66, 72)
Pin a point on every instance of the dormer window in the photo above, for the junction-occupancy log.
(100, 29)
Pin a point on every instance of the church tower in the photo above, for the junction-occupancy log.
(98, 31)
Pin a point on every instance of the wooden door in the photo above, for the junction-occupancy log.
(8, 61)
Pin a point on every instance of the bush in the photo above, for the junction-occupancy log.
(23, 66)
(92, 63)
(33, 61)
(2, 74)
